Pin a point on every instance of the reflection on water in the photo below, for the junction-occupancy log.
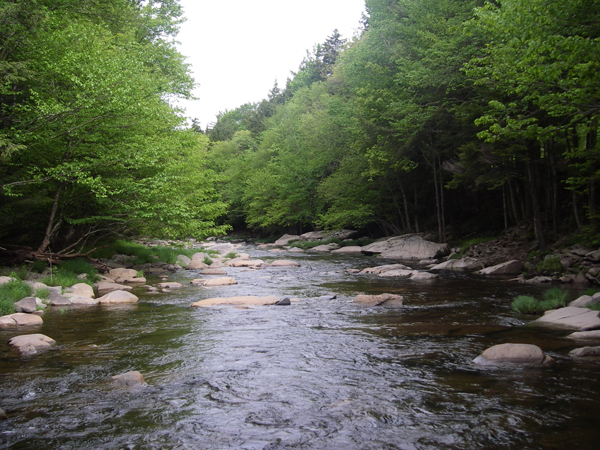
(320, 374)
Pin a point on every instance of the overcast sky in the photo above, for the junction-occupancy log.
(238, 48)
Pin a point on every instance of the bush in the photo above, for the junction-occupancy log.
(525, 304)
(549, 265)
(63, 278)
(552, 299)
(12, 292)
(78, 266)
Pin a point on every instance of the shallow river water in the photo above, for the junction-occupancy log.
(319, 374)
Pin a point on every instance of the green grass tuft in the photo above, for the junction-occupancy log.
(525, 304)
(12, 292)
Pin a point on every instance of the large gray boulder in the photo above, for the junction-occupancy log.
(407, 247)
(581, 319)
(26, 305)
(379, 300)
(80, 289)
(30, 344)
(20, 320)
(349, 249)
(118, 297)
(379, 269)
(246, 300)
(464, 264)
(520, 354)
(512, 267)
(286, 239)
(586, 335)
(221, 281)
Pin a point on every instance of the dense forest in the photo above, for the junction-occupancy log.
(459, 116)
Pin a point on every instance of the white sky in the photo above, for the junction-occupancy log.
(238, 48)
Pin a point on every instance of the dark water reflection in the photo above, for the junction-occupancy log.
(320, 374)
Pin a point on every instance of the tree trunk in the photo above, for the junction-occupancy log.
(51, 228)
(535, 206)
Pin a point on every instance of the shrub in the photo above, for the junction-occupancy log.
(525, 304)
(42, 293)
(554, 298)
(78, 266)
(12, 292)
(231, 255)
(64, 279)
(207, 261)
(549, 265)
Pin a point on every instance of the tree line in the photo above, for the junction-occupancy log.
(90, 144)
(457, 116)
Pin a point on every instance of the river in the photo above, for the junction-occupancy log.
(322, 373)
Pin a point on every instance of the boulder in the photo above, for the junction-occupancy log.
(26, 305)
(401, 273)
(581, 319)
(4, 279)
(57, 299)
(20, 320)
(407, 247)
(296, 250)
(583, 301)
(378, 300)
(30, 344)
(463, 264)
(80, 300)
(320, 235)
(595, 334)
(3, 415)
(221, 281)
(423, 276)
(118, 297)
(248, 300)
(199, 256)
(379, 269)
(213, 271)
(81, 289)
(105, 286)
(197, 281)
(585, 352)
(325, 248)
(121, 275)
(129, 379)
(182, 260)
(521, 354)
(284, 263)
(512, 267)
(286, 239)
(284, 302)
(223, 249)
(197, 264)
(350, 249)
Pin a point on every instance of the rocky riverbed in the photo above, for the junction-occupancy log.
(349, 350)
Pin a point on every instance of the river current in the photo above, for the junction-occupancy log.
(322, 373)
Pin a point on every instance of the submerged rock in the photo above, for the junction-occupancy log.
(129, 379)
(521, 354)
(585, 335)
(30, 344)
(250, 300)
(378, 300)
(221, 281)
(284, 263)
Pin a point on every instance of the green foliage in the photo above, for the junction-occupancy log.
(552, 299)
(307, 245)
(231, 255)
(79, 266)
(207, 261)
(42, 293)
(63, 278)
(525, 304)
(143, 255)
(12, 292)
(550, 265)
